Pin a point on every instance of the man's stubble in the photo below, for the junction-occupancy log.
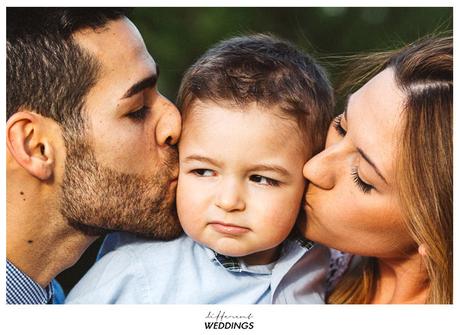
(96, 200)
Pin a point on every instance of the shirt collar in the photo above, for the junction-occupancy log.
(21, 289)
(234, 264)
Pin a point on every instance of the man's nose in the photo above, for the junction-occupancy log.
(230, 197)
(321, 169)
(168, 128)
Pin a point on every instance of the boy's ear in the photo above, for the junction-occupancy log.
(29, 143)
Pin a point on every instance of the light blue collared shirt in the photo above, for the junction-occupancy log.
(140, 271)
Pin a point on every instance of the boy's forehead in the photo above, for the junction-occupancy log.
(279, 117)
(267, 124)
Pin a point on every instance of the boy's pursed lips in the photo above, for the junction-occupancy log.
(228, 228)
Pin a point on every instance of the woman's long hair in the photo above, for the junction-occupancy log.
(423, 71)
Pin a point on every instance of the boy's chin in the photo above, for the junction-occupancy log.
(229, 252)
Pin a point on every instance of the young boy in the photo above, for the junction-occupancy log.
(254, 110)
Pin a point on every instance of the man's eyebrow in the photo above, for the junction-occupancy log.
(202, 159)
(371, 163)
(270, 167)
(148, 82)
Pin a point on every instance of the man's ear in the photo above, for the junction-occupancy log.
(29, 143)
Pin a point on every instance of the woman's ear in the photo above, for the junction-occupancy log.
(29, 143)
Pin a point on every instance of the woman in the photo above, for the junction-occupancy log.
(382, 188)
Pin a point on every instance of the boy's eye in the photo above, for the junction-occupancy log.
(204, 172)
(263, 180)
(139, 115)
(338, 127)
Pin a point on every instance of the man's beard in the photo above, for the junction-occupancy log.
(96, 200)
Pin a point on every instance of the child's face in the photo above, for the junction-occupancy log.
(240, 183)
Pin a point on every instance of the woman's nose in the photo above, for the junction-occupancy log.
(321, 168)
(229, 197)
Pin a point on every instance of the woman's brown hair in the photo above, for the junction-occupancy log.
(424, 72)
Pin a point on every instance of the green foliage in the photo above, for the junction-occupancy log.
(176, 37)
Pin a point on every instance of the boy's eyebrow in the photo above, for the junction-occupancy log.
(270, 167)
(258, 167)
(202, 159)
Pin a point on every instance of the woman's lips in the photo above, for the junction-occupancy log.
(173, 182)
(228, 228)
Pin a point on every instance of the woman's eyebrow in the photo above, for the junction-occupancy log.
(361, 152)
(371, 163)
(345, 109)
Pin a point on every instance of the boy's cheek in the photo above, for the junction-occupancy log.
(181, 194)
(188, 195)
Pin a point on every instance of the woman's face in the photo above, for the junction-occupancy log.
(352, 202)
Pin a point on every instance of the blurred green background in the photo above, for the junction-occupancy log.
(176, 37)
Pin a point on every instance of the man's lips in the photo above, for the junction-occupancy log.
(228, 228)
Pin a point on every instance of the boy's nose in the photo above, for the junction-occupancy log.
(229, 197)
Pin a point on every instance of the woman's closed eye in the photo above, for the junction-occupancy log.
(338, 127)
(363, 186)
(204, 172)
(263, 180)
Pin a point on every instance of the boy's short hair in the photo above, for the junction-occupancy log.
(269, 71)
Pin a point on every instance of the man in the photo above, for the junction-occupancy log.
(89, 141)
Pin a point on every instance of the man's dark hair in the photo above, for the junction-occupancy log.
(47, 71)
(271, 72)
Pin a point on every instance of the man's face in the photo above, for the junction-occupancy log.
(121, 173)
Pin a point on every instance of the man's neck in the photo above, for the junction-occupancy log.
(39, 241)
(402, 281)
